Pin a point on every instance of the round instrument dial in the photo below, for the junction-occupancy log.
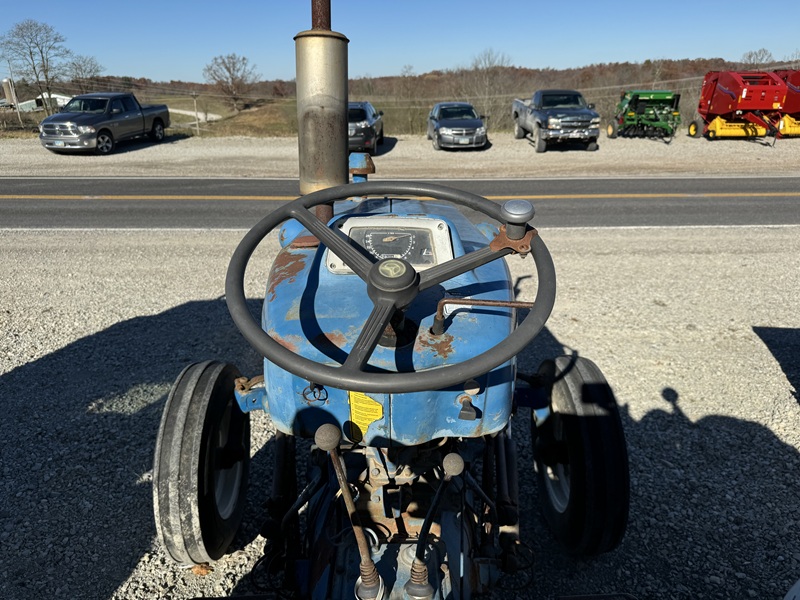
(383, 243)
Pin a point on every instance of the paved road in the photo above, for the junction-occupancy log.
(238, 203)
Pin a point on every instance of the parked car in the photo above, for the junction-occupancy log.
(96, 122)
(364, 127)
(456, 125)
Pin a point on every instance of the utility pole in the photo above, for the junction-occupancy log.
(196, 117)
(14, 93)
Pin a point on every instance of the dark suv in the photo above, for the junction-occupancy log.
(364, 127)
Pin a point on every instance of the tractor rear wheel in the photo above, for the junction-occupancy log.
(201, 464)
(581, 458)
(612, 130)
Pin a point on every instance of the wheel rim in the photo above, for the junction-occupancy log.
(557, 475)
(104, 144)
(227, 482)
(556, 480)
(159, 132)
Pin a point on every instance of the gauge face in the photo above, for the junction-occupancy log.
(411, 244)
(389, 244)
(422, 242)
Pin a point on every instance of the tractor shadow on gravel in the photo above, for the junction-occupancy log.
(713, 502)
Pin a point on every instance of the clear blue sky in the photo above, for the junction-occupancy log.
(175, 39)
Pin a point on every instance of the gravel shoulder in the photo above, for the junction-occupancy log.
(412, 157)
(696, 329)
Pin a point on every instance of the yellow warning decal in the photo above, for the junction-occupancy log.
(363, 411)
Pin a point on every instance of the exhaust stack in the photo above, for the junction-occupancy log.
(321, 59)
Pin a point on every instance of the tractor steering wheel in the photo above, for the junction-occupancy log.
(393, 284)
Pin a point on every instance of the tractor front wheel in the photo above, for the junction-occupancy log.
(581, 458)
(201, 464)
(612, 130)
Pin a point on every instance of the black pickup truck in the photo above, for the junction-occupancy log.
(556, 116)
(96, 122)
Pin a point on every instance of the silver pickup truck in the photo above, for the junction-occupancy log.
(552, 116)
(96, 122)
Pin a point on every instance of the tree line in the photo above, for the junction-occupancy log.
(41, 62)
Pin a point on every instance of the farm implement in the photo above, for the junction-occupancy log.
(740, 104)
(791, 109)
(646, 113)
(391, 338)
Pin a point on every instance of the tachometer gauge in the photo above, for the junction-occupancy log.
(383, 243)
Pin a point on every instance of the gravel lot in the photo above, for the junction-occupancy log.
(412, 157)
(696, 329)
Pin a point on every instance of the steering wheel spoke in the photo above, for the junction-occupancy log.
(452, 268)
(370, 335)
(335, 241)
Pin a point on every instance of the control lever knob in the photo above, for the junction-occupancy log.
(327, 437)
(516, 214)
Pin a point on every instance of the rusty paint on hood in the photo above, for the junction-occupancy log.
(286, 267)
(442, 345)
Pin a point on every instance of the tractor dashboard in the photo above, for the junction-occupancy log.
(421, 241)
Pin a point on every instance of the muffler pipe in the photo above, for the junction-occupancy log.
(321, 63)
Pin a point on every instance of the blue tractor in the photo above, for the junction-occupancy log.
(390, 334)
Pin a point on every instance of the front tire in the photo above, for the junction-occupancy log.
(519, 132)
(201, 464)
(539, 143)
(581, 459)
(612, 130)
(105, 143)
(435, 141)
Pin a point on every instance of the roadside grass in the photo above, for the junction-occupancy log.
(270, 118)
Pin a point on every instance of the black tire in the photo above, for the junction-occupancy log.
(612, 130)
(539, 143)
(581, 459)
(380, 137)
(105, 142)
(435, 141)
(157, 133)
(696, 128)
(712, 135)
(592, 146)
(519, 132)
(201, 464)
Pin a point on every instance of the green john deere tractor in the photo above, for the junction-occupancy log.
(646, 113)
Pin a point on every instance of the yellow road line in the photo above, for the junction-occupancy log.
(514, 197)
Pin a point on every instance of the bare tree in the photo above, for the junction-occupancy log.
(233, 76)
(757, 59)
(488, 83)
(38, 55)
(793, 60)
(83, 71)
